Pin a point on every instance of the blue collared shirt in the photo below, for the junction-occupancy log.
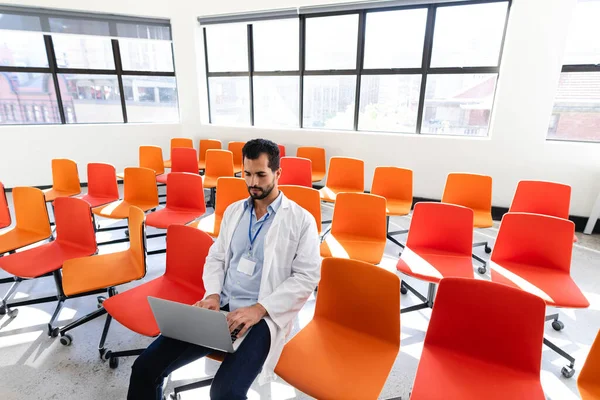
(240, 289)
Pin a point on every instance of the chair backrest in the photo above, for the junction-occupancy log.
(139, 186)
(360, 214)
(393, 183)
(65, 175)
(539, 197)
(469, 190)
(185, 192)
(360, 296)
(208, 144)
(236, 149)
(151, 157)
(30, 210)
(520, 240)
(5, 219)
(441, 226)
(296, 171)
(281, 150)
(187, 248)
(307, 198)
(74, 224)
(316, 155)
(346, 173)
(181, 142)
(229, 190)
(219, 163)
(509, 323)
(102, 181)
(591, 368)
(184, 159)
(137, 239)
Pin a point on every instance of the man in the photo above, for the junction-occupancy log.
(262, 267)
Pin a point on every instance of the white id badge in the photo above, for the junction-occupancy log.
(246, 265)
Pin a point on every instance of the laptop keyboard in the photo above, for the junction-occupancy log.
(234, 334)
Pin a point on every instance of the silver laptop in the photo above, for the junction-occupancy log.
(194, 325)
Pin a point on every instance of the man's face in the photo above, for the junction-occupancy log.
(260, 179)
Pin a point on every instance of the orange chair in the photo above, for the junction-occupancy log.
(317, 157)
(182, 282)
(307, 198)
(219, 163)
(206, 144)
(358, 228)
(65, 180)
(504, 360)
(475, 192)
(5, 219)
(185, 200)
(296, 171)
(588, 382)
(438, 246)
(539, 264)
(32, 224)
(139, 191)
(396, 186)
(281, 150)
(183, 159)
(102, 185)
(229, 191)
(149, 157)
(345, 175)
(540, 197)
(176, 143)
(87, 275)
(75, 237)
(238, 156)
(349, 347)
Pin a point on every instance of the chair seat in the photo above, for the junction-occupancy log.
(433, 265)
(556, 287)
(447, 375)
(329, 194)
(95, 201)
(41, 260)
(53, 194)
(209, 182)
(120, 209)
(589, 391)
(131, 308)
(398, 207)
(238, 168)
(353, 247)
(334, 366)
(163, 218)
(201, 165)
(86, 274)
(16, 238)
(167, 163)
(318, 176)
(482, 219)
(162, 178)
(207, 224)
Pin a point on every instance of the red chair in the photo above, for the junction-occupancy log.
(102, 185)
(185, 200)
(533, 252)
(503, 362)
(282, 151)
(187, 248)
(438, 246)
(183, 159)
(540, 197)
(296, 171)
(5, 219)
(75, 237)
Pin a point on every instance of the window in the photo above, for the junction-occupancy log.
(576, 111)
(428, 69)
(106, 70)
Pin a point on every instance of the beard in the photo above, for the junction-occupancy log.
(263, 193)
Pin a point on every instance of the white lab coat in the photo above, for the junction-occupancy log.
(291, 269)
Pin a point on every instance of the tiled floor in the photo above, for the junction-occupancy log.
(34, 366)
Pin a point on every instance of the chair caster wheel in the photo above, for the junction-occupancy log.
(558, 325)
(482, 270)
(403, 289)
(567, 372)
(103, 352)
(2, 310)
(12, 313)
(488, 249)
(66, 339)
(54, 332)
(113, 362)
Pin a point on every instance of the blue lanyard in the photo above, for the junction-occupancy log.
(250, 237)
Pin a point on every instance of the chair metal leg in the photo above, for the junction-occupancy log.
(191, 386)
(59, 307)
(101, 348)
(483, 268)
(427, 301)
(4, 307)
(390, 235)
(568, 370)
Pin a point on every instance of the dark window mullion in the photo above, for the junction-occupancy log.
(119, 69)
(302, 65)
(360, 51)
(53, 70)
(250, 71)
(427, 48)
(207, 74)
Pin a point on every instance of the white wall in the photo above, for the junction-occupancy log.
(516, 148)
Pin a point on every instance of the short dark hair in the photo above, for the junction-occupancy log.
(255, 147)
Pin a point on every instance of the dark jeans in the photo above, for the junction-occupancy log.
(232, 381)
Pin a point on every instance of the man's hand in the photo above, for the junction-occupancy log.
(246, 316)
(212, 302)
